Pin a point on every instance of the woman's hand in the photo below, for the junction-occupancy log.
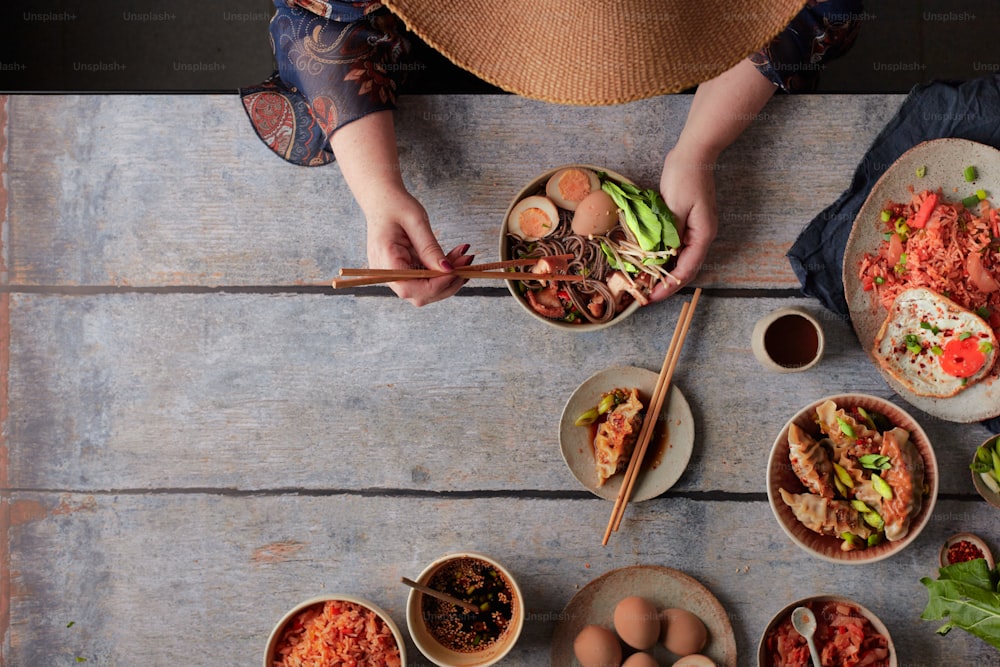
(399, 233)
(400, 237)
(687, 184)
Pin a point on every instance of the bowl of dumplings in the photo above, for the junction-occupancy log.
(852, 478)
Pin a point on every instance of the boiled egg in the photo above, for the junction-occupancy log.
(637, 622)
(596, 214)
(640, 660)
(683, 632)
(532, 218)
(695, 660)
(596, 646)
(567, 187)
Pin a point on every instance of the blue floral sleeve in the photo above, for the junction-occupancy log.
(822, 31)
(336, 62)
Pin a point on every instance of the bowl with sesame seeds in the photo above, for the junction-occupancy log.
(450, 636)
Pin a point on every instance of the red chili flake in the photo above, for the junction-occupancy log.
(962, 551)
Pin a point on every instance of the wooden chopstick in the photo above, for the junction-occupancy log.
(485, 270)
(649, 424)
(427, 590)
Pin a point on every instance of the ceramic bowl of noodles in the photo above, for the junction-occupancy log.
(852, 478)
(571, 219)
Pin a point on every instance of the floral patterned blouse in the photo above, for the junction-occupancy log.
(339, 60)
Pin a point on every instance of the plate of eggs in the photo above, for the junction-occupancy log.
(644, 616)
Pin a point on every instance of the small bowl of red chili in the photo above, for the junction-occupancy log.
(962, 547)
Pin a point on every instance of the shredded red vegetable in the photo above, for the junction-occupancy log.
(844, 638)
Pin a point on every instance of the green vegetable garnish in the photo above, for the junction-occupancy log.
(970, 174)
(885, 215)
(845, 428)
(860, 506)
(965, 594)
(936, 350)
(913, 343)
(930, 327)
(964, 335)
(879, 280)
(981, 194)
(882, 487)
(874, 520)
(587, 418)
(843, 476)
(970, 201)
(874, 539)
(921, 171)
(983, 311)
(986, 347)
(875, 462)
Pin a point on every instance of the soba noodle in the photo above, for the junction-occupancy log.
(588, 260)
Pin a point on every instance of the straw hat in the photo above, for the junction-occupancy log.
(595, 51)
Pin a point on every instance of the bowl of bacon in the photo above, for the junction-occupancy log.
(612, 239)
(852, 478)
(846, 634)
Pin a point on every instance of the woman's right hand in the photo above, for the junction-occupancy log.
(400, 237)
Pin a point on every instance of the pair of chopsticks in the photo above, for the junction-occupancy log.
(652, 415)
(497, 270)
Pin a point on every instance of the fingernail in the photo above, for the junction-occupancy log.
(464, 249)
(446, 265)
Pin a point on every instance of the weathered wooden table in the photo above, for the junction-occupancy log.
(196, 436)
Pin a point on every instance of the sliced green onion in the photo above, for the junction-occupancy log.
(882, 487)
(860, 506)
(983, 311)
(875, 461)
(986, 347)
(930, 327)
(921, 171)
(879, 280)
(913, 344)
(845, 428)
(844, 476)
(886, 216)
(970, 201)
(970, 174)
(981, 194)
(964, 335)
(874, 520)
(874, 539)
(587, 418)
(936, 350)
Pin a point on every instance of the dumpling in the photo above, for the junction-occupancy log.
(616, 437)
(906, 478)
(810, 462)
(826, 516)
(842, 428)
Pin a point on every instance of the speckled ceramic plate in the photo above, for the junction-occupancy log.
(781, 476)
(944, 160)
(666, 456)
(664, 587)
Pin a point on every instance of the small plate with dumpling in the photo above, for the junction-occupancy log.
(670, 446)
(852, 478)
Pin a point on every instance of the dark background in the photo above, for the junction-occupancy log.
(218, 46)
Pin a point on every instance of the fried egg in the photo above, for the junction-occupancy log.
(934, 346)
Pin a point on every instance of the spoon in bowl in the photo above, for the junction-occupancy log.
(804, 622)
(434, 593)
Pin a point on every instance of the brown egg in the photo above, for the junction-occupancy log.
(640, 660)
(567, 187)
(695, 660)
(596, 214)
(683, 632)
(637, 622)
(597, 646)
(532, 218)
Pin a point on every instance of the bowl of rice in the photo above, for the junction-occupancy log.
(335, 630)
(450, 636)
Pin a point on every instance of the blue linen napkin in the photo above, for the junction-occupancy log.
(968, 110)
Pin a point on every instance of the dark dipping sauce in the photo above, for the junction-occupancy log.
(791, 341)
(474, 581)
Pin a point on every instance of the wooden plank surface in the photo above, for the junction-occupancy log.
(197, 440)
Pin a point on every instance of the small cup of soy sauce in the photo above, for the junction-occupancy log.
(787, 340)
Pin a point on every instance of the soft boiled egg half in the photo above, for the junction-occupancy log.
(532, 218)
(568, 187)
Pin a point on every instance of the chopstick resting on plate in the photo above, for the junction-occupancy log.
(652, 414)
(488, 270)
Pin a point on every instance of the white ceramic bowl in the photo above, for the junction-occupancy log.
(275, 636)
(780, 475)
(537, 186)
(444, 656)
(784, 614)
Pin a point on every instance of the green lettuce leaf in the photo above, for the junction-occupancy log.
(965, 596)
